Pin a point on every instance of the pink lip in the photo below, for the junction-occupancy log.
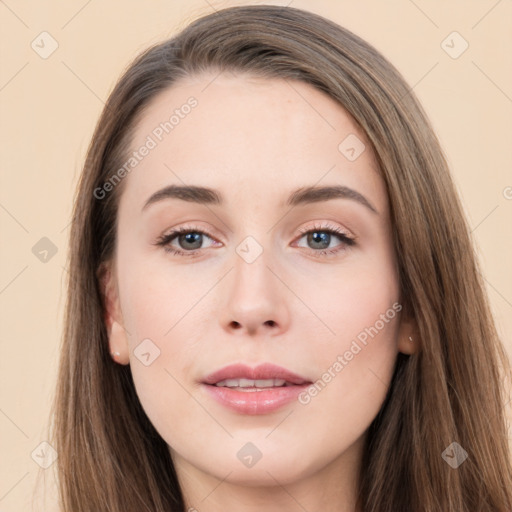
(254, 402)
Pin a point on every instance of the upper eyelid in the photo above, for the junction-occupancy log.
(327, 227)
(302, 230)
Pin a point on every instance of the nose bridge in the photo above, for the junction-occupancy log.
(251, 273)
(255, 295)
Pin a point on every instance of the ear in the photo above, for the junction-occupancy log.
(117, 334)
(408, 337)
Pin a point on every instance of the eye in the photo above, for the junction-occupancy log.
(319, 239)
(190, 240)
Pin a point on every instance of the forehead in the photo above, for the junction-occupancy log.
(239, 132)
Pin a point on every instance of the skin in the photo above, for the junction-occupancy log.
(255, 140)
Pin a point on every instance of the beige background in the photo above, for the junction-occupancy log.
(48, 109)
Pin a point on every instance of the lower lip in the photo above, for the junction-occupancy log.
(255, 402)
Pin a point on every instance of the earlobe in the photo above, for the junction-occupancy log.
(409, 344)
(118, 344)
(408, 337)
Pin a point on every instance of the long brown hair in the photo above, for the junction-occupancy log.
(110, 457)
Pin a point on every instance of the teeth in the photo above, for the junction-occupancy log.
(249, 383)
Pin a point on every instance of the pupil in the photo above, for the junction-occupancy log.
(190, 238)
(320, 237)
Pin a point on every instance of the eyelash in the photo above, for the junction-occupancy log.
(347, 241)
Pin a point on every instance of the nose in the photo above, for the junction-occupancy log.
(256, 301)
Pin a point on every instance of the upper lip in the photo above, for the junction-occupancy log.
(260, 372)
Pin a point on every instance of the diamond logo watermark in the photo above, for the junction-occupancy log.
(44, 250)
(146, 352)
(454, 45)
(249, 249)
(351, 147)
(44, 45)
(249, 455)
(454, 455)
(44, 455)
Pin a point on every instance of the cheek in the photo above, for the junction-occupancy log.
(161, 310)
(356, 355)
(157, 298)
(356, 375)
(356, 302)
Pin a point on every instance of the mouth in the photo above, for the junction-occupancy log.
(248, 385)
(262, 376)
(258, 390)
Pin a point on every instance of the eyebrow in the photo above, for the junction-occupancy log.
(301, 196)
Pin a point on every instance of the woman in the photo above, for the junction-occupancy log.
(326, 341)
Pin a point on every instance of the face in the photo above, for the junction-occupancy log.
(264, 271)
